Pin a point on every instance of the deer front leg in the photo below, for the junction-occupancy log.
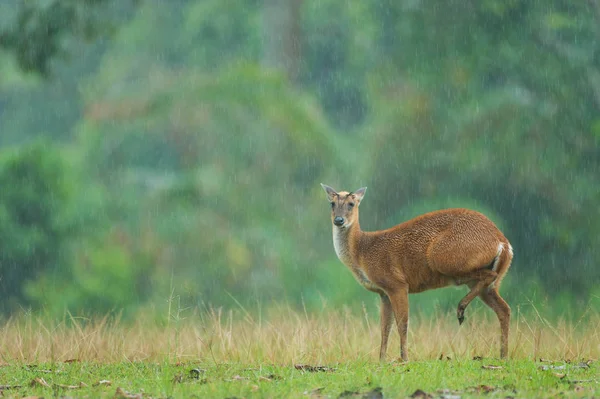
(386, 324)
(399, 301)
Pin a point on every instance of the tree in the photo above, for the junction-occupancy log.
(282, 36)
(34, 199)
(43, 29)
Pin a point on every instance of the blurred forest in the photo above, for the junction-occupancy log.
(155, 150)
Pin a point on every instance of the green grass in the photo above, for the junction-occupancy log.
(439, 378)
(245, 356)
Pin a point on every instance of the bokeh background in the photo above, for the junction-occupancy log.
(152, 150)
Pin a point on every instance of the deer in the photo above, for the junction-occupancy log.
(447, 247)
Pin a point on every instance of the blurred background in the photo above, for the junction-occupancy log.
(155, 150)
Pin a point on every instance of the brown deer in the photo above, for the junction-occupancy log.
(434, 250)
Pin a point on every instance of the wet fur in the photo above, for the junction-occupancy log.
(434, 250)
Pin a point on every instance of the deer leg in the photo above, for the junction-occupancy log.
(386, 324)
(492, 298)
(483, 279)
(399, 301)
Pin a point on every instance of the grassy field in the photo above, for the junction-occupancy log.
(293, 354)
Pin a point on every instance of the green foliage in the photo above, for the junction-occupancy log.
(215, 33)
(35, 198)
(112, 275)
(338, 43)
(42, 27)
(184, 140)
(231, 148)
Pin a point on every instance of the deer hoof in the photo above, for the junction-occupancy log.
(460, 315)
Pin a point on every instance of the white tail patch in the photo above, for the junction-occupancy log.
(495, 265)
(498, 253)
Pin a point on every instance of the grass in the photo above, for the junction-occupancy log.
(464, 378)
(219, 354)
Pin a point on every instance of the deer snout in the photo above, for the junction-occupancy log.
(338, 221)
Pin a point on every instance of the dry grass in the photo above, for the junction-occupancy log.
(285, 336)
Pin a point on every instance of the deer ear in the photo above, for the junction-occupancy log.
(330, 192)
(360, 193)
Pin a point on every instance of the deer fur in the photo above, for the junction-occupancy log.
(434, 250)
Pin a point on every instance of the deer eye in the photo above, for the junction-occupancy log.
(351, 204)
(332, 205)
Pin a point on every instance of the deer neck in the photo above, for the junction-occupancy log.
(344, 242)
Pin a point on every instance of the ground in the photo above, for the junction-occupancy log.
(285, 353)
(446, 378)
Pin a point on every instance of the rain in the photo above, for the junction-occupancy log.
(162, 158)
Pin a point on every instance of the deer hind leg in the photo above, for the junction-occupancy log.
(387, 315)
(492, 298)
(479, 281)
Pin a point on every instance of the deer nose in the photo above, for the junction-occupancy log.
(338, 221)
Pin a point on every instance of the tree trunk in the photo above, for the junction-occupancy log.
(281, 36)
